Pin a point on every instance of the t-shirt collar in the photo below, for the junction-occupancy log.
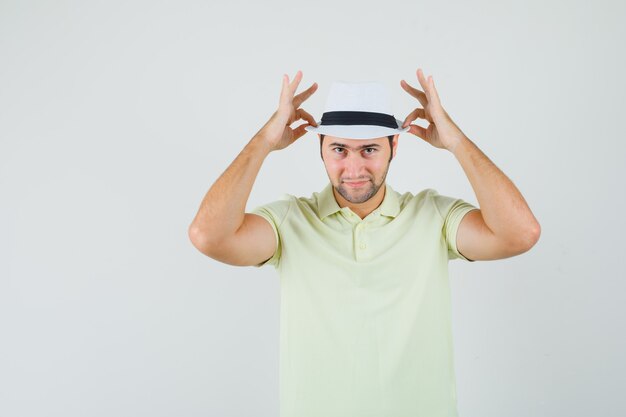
(327, 205)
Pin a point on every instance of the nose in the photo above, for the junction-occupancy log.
(354, 167)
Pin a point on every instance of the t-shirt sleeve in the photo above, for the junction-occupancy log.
(275, 213)
(452, 211)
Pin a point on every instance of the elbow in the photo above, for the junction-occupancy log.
(523, 240)
(532, 236)
(537, 232)
(193, 234)
(200, 239)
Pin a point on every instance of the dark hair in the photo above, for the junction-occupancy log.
(390, 137)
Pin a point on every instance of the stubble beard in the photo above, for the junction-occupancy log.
(361, 195)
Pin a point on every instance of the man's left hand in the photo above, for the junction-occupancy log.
(441, 132)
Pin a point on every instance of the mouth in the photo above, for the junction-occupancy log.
(355, 184)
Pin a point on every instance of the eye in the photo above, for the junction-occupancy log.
(338, 148)
(371, 149)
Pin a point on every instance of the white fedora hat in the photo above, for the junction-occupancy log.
(358, 110)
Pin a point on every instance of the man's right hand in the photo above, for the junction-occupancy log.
(277, 132)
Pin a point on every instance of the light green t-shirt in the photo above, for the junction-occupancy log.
(365, 315)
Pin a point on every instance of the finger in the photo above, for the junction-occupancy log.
(418, 94)
(418, 131)
(300, 98)
(302, 114)
(300, 131)
(423, 82)
(284, 92)
(433, 91)
(421, 113)
(293, 87)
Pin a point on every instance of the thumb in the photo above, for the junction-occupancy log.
(300, 131)
(418, 131)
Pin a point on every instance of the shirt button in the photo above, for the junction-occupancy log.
(362, 246)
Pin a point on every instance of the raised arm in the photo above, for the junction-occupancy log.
(221, 229)
(504, 226)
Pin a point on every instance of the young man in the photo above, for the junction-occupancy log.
(365, 298)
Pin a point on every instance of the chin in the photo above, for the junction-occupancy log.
(357, 195)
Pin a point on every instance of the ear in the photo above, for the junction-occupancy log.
(395, 144)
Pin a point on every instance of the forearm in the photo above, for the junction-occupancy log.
(222, 210)
(503, 207)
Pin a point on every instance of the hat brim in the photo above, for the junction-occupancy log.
(356, 131)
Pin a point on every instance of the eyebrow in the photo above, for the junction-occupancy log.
(371, 145)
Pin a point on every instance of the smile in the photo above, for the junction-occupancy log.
(356, 184)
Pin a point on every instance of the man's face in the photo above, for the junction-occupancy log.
(357, 168)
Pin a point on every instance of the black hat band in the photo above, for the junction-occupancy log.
(358, 118)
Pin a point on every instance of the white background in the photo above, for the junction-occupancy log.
(116, 118)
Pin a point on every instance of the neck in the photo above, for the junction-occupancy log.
(364, 208)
